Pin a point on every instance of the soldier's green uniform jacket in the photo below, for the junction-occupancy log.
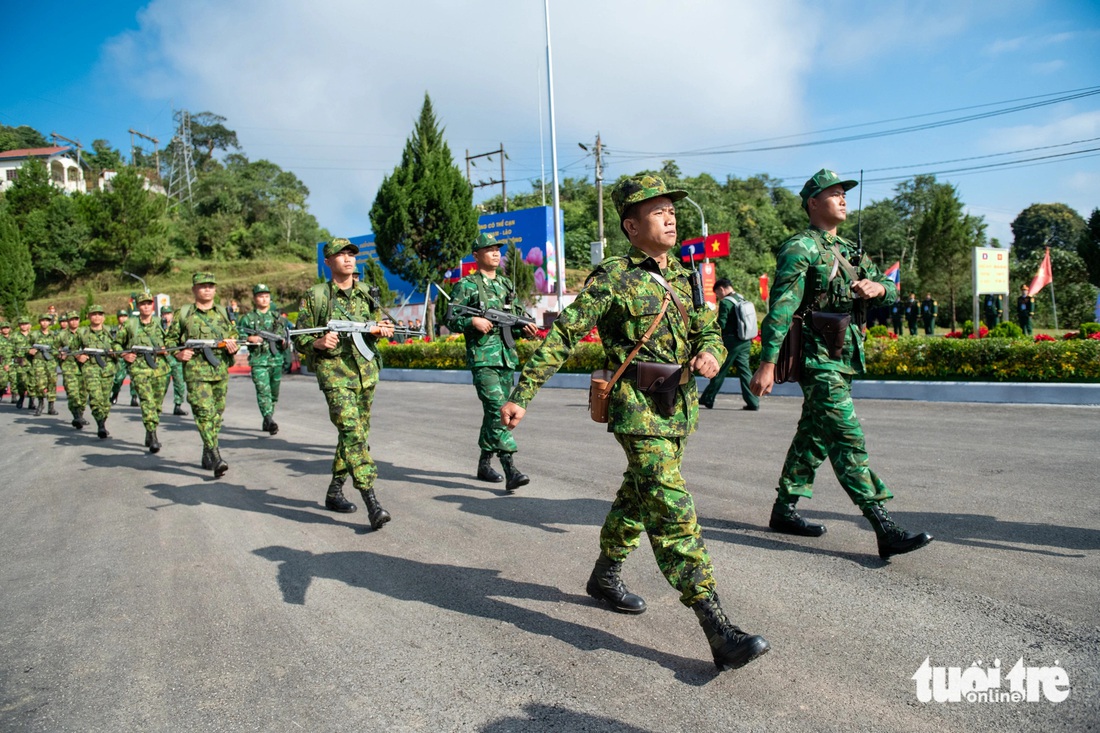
(477, 291)
(212, 324)
(342, 366)
(260, 354)
(19, 346)
(86, 338)
(1025, 307)
(804, 258)
(49, 338)
(5, 350)
(135, 333)
(622, 299)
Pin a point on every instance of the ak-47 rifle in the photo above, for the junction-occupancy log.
(375, 295)
(504, 320)
(206, 346)
(355, 329)
(275, 341)
(44, 350)
(859, 306)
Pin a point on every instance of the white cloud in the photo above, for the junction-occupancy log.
(1065, 127)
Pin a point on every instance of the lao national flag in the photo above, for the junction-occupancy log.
(455, 274)
(715, 245)
(893, 274)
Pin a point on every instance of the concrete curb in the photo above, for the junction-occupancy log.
(984, 392)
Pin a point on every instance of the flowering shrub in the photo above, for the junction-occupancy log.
(1044, 337)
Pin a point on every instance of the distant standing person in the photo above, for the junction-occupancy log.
(1025, 308)
(738, 341)
(912, 313)
(266, 362)
(929, 309)
(897, 316)
(808, 278)
(491, 362)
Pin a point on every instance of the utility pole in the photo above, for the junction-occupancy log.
(598, 246)
(156, 151)
(76, 143)
(490, 182)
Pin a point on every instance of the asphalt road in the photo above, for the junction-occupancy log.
(137, 593)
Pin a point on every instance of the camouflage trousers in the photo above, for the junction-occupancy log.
(120, 378)
(179, 389)
(21, 378)
(654, 499)
(208, 405)
(493, 384)
(349, 410)
(266, 379)
(98, 383)
(44, 379)
(75, 392)
(737, 357)
(829, 428)
(5, 378)
(150, 388)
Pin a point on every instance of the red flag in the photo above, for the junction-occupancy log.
(1044, 276)
(764, 288)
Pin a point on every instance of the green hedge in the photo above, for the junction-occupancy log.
(979, 360)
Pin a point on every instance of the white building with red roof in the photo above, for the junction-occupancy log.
(65, 171)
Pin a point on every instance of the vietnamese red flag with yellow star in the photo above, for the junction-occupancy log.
(716, 245)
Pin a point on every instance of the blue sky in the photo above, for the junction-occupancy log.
(330, 90)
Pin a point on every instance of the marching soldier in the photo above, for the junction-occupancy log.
(929, 309)
(489, 359)
(912, 313)
(123, 316)
(150, 382)
(179, 389)
(643, 302)
(207, 383)
(98, 380)
(43, 378)
(5, 359)
(21, 364)
(813, 272)
(76, 394)
(267, 367)
(1025, 308)
(346, 377)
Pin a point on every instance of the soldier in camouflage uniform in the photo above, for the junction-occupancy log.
(97, 379)
(123, 316)
(44, 365)
(179, 388)
(345, 377)
(5, 359)
(266, 363)
(490, 361)
(151, 382)
(812, 275)
(76, 394)
(623, 297)
(207, 384)
(21, 364)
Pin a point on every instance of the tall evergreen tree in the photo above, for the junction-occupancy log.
(1046, 225)
(16, 272)
(423, 216)
(944, 243)
(1089, 248)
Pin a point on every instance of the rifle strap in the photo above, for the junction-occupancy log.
(638, 347)
(671, 292)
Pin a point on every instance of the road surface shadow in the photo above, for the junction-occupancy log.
(742, 533)
(533, 512)
(554, 719)
(472, 591)
(234, 496)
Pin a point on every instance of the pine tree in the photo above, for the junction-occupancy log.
(944, 243)
(16, 271)
(423, 216)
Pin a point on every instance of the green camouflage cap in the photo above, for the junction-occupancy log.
(260, 288)
(166, 309)
(636, 189)
(96, 309)
(45, 317)
(146, 297)
(71, 315)
(123, 312)
(338, 245)
(5, 324)
(24, 319)
(201, 278)
(822, 180)
(484, 240)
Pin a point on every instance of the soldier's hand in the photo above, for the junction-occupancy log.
(384, 329)
(704, 364)
(326, 342)
(232, 346)
(511, 414)
(484, 325)
(255, 339)
(531, 330)
(868, 289)
(129, 358)
(764, 379)
(185, 354)
(81, 358)
(32, 352)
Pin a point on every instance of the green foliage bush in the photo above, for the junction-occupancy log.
(1006, 330)
(1088, 329)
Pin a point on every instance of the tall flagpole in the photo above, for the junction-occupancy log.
(559, 250)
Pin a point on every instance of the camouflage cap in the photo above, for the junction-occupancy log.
(202, 278)
(484, 240)
(338, 245)
(96, 309)
(146, 297)
(260, 288)
(24, 319)
(636, 189)
(123, 312)
(71, 315)
(822, 180)
(166, 309)
(45, 317)
(5, 324)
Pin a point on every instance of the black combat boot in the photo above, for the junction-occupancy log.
(30, 402)
(892, 539)
(514, 477)
(101, 429)
(786, 520)
(485, 470)
(731, 647)
(133, 401)
(38, 408)
(207, 458)
(217, 462)
(375, 513)
(335, 500)
(272, 426)
(19, 402)
(151, 441)
(52, 410)
(266, 424)
(179, 411)
(83, 420)
(77, 424)
(605, 584)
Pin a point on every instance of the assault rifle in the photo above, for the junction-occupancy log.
(43, 349)
(506, 321)
(355, 329)
(206, 346)
(275, 341)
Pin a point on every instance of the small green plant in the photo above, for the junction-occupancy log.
(1006, 330)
